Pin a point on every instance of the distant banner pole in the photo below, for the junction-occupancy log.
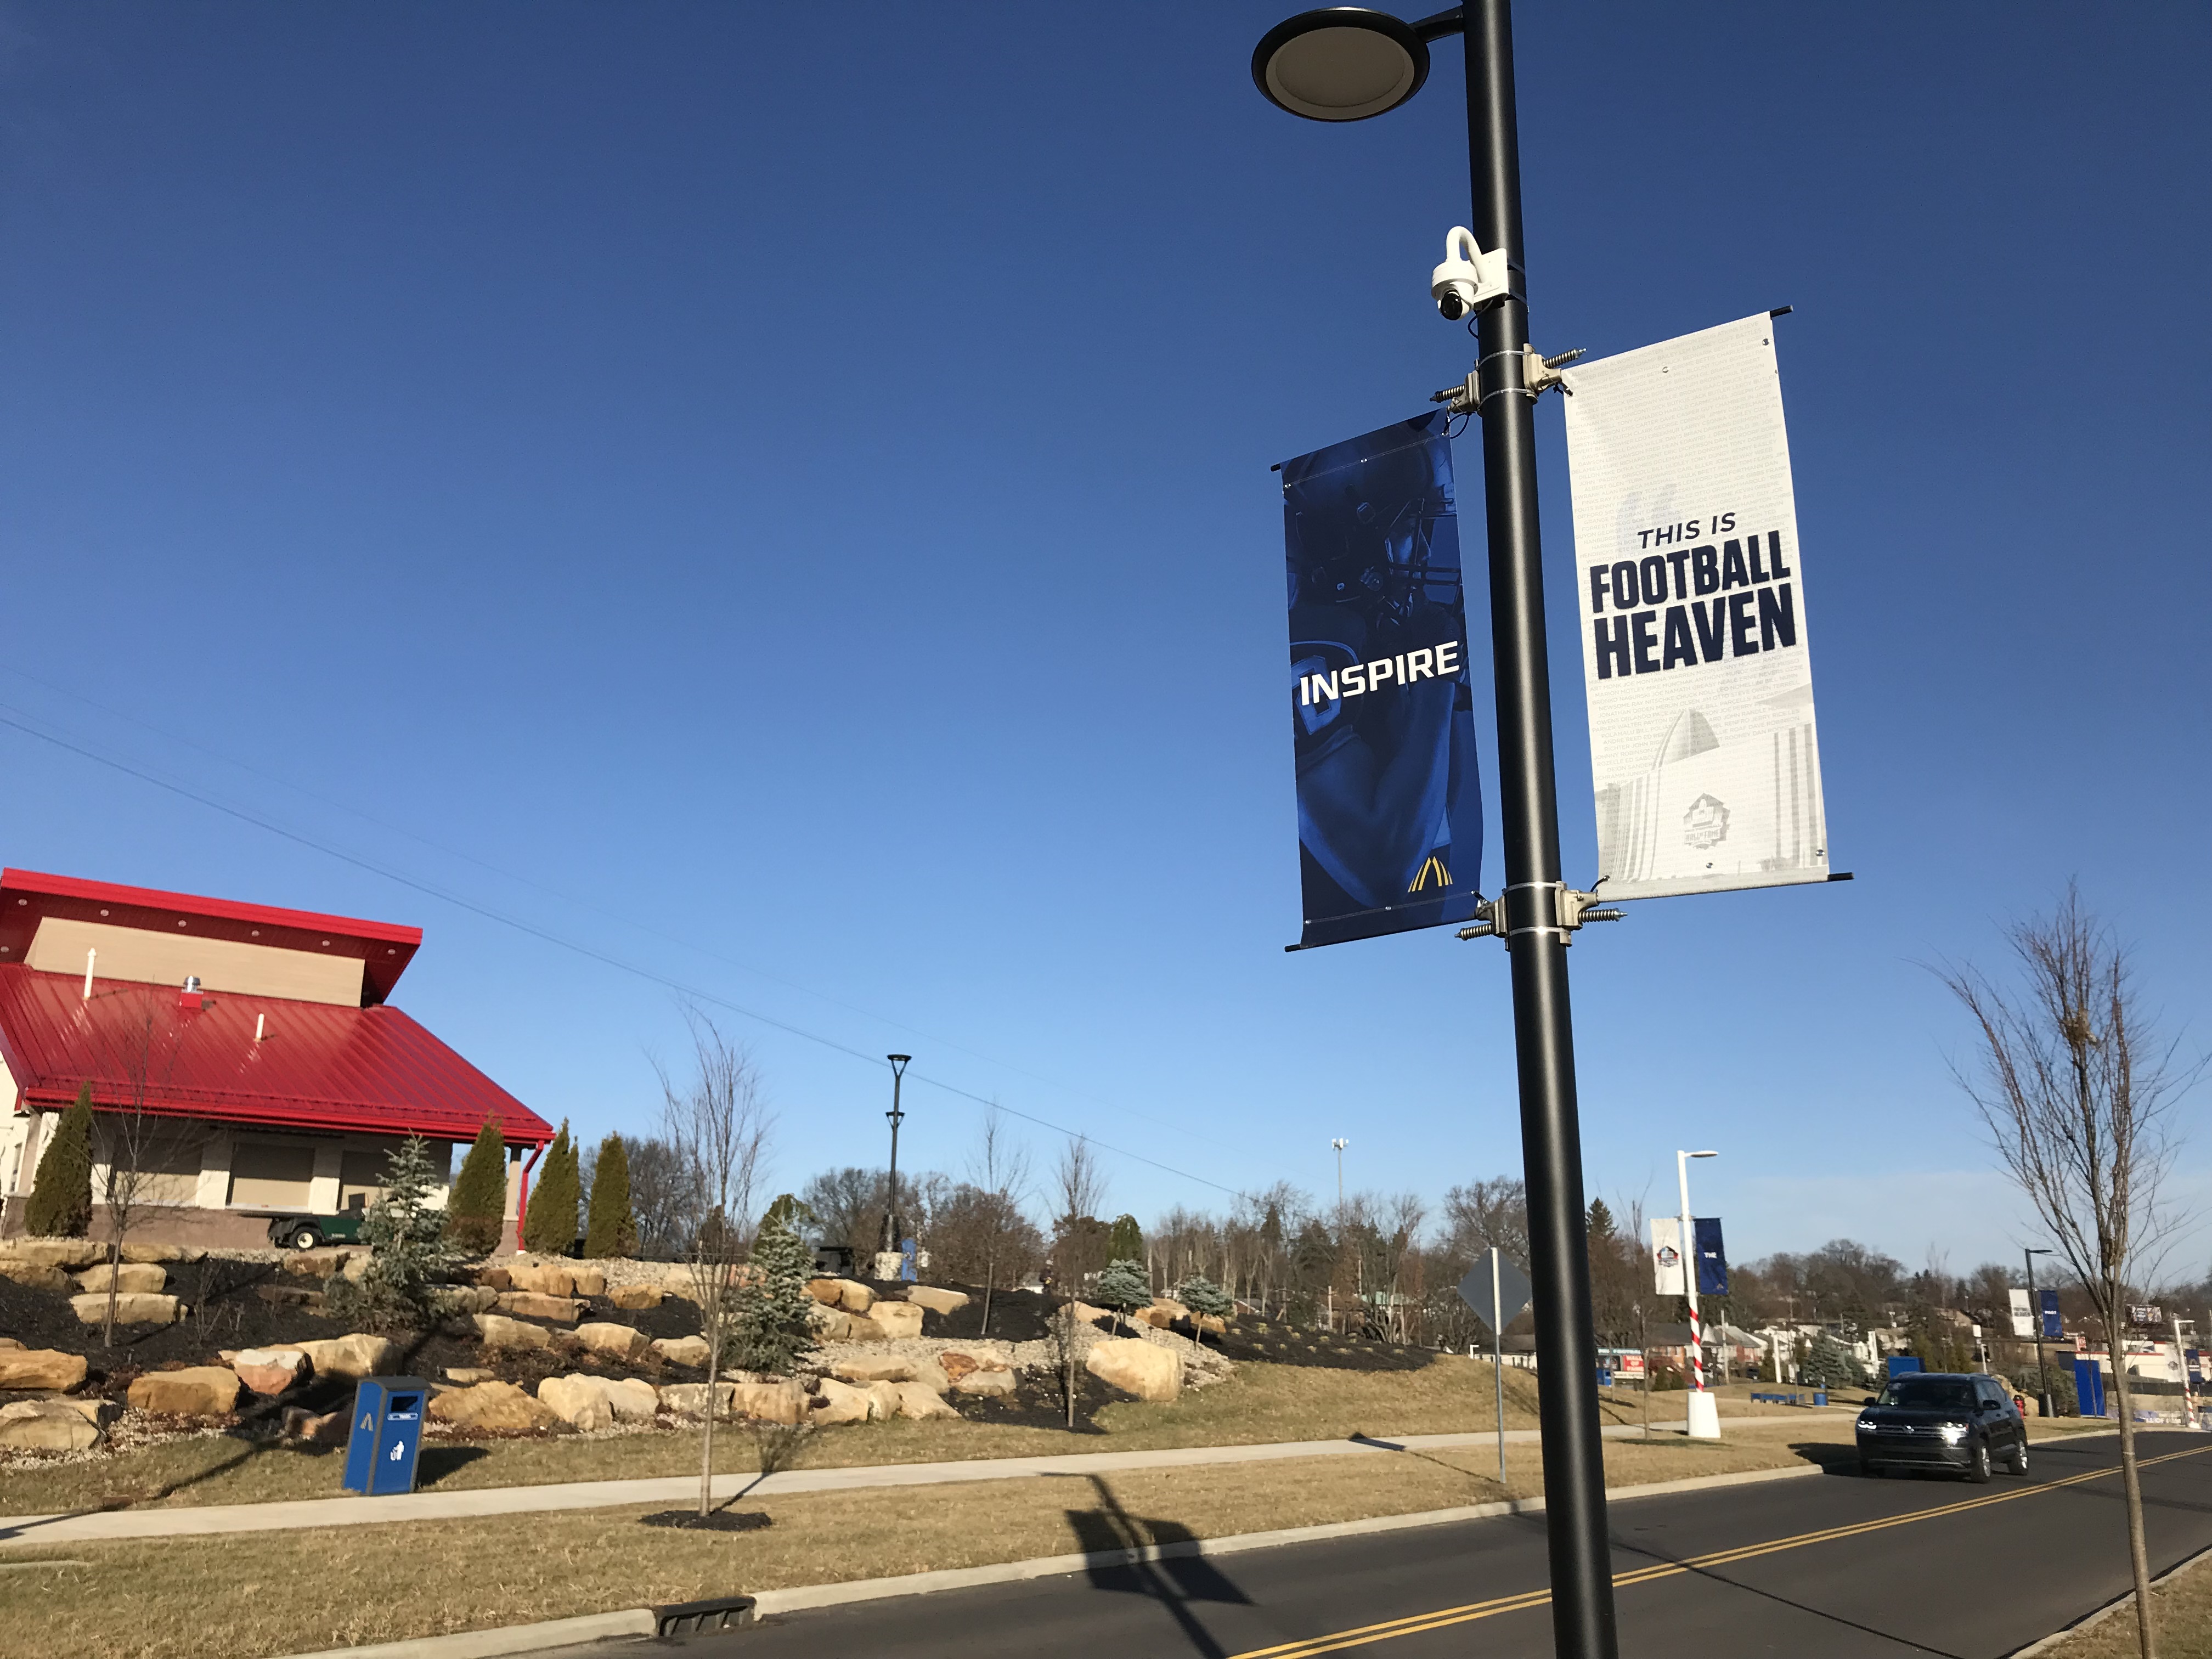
(1497, 1363)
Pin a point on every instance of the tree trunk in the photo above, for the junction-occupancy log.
(114, 1267)
(2131, 1485)
(990, 1273)
(707, 1443)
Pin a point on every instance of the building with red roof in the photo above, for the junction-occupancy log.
(253, 1051)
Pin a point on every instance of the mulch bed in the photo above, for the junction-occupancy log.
(1279, 1344)
(713, 1520)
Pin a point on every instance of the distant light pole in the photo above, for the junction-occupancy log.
(1340, 1144)
(899, 1063)
(2035, 1323)
(1703, 1410)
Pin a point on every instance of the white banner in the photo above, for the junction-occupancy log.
(1691, 587)
(1667, 1256)
(2023, 1313)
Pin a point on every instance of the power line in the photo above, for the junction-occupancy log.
(17, 720)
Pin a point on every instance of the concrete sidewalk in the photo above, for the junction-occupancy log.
(94, 1525)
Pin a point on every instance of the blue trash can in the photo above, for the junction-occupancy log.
(386, 1434)
(1819, 1396)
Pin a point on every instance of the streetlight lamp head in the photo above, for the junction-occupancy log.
(1705, 1154)
(1344, 63)
(898, 1061)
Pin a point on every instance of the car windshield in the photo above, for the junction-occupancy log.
(1930, 1393)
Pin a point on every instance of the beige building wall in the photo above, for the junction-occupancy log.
(142, 957)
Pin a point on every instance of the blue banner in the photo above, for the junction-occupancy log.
(1381, 703)
(2053, 1327)
(1712, 1256)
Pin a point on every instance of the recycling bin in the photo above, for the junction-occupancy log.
(385, 1435)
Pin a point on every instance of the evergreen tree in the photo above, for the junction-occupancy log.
(1205, 1299)
(406, 1239)
(611, 1230)
(1124, 1285)
(1600, 1220)
(1832, 1365)
(550, 1226)
(61, 1191)
(476, 1209)
(772, 1324)
(1126, 1242)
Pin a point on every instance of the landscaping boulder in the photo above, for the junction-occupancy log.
(91, 1309)
(883, 1401)
(854, 1297)
(465, 1298)
(682, 1350)
(941, 1302)
(588, 1281)
(195, 1391)
(496, 1331)
(1213, 1322)
(637, 1298)
(874, 1368)
(1173, 1309)
(987, 1383)
(322, 1262)
(1136, 1366)
(690, 1399)
(494, 1279)
(771, 1402)
(46, 1426)
(467, 1376)
(9, 1342)
(616, 1341)
(40, 1368)
(898, 1320)
(37, 1276)
(634, 1401)
(293, 1296)
(163, 1253)
(532, 1304)
(355, 1356)
(1092, 1315)
(827, 1291)
(542, 1278)
(921, 1401)
(492, 1405)
(579, 1400)
(315, 1428)
(838, 1403)
(271, 1370)
(69, 1254)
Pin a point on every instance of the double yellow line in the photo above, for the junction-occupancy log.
(1474, 1610)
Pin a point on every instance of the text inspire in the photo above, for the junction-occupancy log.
(1697, 629)
(1436, 662)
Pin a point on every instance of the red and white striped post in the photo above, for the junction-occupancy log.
(1703, 1410)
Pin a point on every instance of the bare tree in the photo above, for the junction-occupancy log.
(717, 1123)
(127, 1134)
(1078, 1191)
(1001, 1168)
(2077, 1097)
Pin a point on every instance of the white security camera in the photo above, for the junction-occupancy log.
(1468, 278)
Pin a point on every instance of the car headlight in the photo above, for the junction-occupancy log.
(1864, 1424)
(1952, 1433)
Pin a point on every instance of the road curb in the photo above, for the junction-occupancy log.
(803, 1597)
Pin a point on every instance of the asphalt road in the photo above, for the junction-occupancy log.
(1836, 1565)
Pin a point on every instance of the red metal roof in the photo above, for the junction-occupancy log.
(26, 896)
(368, 1070)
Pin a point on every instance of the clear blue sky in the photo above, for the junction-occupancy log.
(780, 497)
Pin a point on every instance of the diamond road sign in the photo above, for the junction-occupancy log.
(1512, 1291)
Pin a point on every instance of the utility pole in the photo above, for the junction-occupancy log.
(1340, 1144)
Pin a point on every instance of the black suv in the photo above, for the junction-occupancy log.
(1942, 1421)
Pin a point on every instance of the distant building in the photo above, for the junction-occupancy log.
(255, 1047)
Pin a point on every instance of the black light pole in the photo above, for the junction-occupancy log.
(890, 1215)
(1348, 64)
(2035, 1314)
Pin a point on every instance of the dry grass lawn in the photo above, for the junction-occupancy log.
(284, 1592)
(1259, 1405)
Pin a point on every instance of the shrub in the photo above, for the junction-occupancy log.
(61, 1192)
(611, 1230)
(476, 1210)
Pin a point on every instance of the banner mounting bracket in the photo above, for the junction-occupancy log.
(1571, 909)
(1538, 375)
